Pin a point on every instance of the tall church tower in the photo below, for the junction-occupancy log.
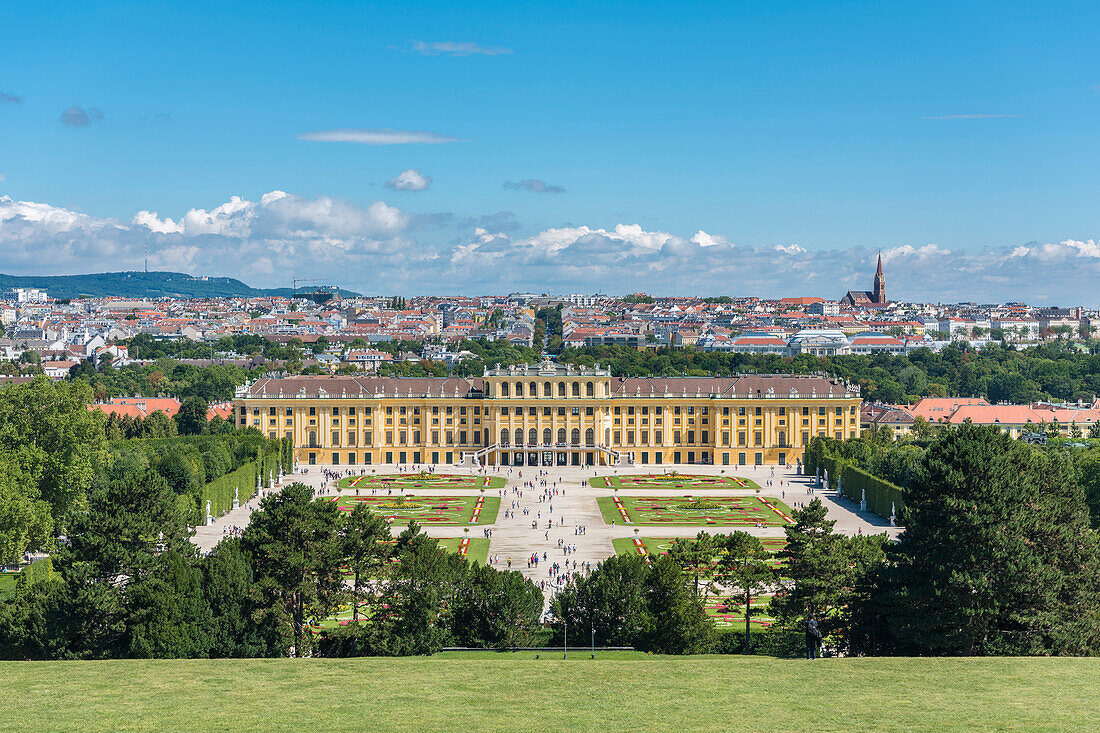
(880, 283)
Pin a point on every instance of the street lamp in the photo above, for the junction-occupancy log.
(565, 649)
(593, 641)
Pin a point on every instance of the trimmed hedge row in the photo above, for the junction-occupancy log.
(855, 482)
(241, 483)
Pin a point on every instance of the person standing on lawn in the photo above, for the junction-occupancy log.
(813, 637)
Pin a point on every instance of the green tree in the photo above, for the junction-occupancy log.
(295, 551)
(745, 568)
(25, 520)
(168, 616)
(54, 441)
(365, 550)
(191, 418)
(695, 556)
(997, 556)
(227, 585)
(677, 621)
(815, 561)
(495, 609)
(610, 602)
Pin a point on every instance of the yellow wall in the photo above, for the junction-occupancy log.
(441, 429)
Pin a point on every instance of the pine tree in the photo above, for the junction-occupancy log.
(997, 556)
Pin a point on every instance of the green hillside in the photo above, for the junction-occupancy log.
(142, 285)
(515, 692)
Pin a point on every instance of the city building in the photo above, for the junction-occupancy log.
(862, 298)
(549, 414)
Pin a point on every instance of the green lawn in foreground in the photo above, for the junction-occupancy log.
(438, 510)
(493, 693)
(416, 481)
(687, 481)
(725, 511)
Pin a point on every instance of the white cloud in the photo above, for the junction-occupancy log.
(534, 185)
(409, 180)
(457, 49)
(376, 247)
(377, 137)
(789, 249)
(76, 116)
(154, 223)
(703, 239)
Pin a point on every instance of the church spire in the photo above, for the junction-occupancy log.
(879, 295)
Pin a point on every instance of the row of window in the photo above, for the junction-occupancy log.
(506, 390)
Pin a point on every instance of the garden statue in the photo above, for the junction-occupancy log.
(863, 500)
(236, 498)
(839, 488)
(209, 518)
(893, 517)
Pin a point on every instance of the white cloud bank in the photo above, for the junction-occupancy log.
(377, 247)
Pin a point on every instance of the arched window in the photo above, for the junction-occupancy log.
(589, 390)
(590, 437)
(519, 389)
(561, 389)
(607, 436)
(533, 389)
(313, 439)
(576, 389)
(547, 389)
(561, 435)
(519, 436)
(546, 436)
(503, 389)
(575, 436)
(504, 436)
(533, 437)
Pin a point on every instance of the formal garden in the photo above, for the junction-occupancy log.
(662, 546)
(425, 510)
(728, 614)
(422, 480)
(696, 511)
(672, 480)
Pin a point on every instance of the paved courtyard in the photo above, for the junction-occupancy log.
(575, 506)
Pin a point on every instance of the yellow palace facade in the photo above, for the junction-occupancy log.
(550, 415)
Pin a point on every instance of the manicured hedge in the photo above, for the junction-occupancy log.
(221, 490)
(855, 481)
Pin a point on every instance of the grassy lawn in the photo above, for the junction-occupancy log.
(7, 582)
(696, 511)
(370, 481)
(661, 545)
(494, 692)
(670, 481)
(478, 549)
(426, 510)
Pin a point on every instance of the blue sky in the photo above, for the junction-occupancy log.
(840, 128)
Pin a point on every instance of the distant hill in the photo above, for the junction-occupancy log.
(144, 285)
